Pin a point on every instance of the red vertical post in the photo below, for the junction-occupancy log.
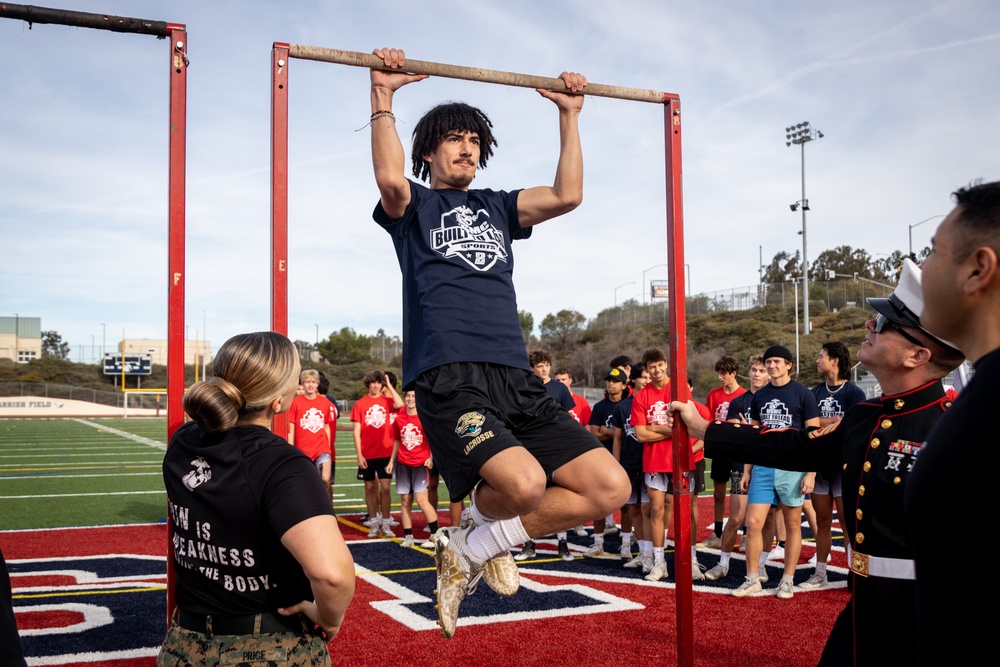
(678, 382)
(279, 202)
(175, 262)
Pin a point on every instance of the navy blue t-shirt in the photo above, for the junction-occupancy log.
(835, 404)
(740, 407)
(454, 250)
(561, 394)
(787, 406)
(600, 414)
(621, 417)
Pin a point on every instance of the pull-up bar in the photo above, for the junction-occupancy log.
(280, 55)
(370, 61)
(31, 14)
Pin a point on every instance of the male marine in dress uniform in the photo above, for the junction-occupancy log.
(874, 447)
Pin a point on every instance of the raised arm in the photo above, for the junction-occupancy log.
(538, 204)
(388, 158)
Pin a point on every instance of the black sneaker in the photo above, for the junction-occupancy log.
(564, 551)
(364, 517)
(527, 551)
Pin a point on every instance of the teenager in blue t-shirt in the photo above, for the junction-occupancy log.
(782, 403)
(491, 426)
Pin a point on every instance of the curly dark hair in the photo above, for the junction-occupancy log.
(442, 119)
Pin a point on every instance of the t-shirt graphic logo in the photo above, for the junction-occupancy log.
(775, 414)
(658, 413)
(202, 473)
(376, 416)
(470, 236)
(829, 408)
(410, 437)
(722, 411)
(312, 420)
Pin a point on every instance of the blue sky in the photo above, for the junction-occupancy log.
(905, 92)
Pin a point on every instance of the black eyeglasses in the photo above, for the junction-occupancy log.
(881, 322)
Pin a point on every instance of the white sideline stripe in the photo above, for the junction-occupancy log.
(82, 495)
(124, 434)
(116, 475)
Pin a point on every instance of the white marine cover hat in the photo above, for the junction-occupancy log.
(906, 303)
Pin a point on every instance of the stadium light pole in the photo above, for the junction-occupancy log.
(917, 224)
(645, 285)
(801, 134)
(631, 282)
(317, 336)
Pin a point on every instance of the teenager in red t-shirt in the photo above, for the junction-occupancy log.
(309, 425)
(372, 417)
(411, 462)
(650, 417)
(718, 406)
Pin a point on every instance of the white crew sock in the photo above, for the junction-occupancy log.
(495, 537)
(610, 519)
(598, 539)
(658, 556)
(762, 559)
(561, 536)
(724, 559)
(820, 568)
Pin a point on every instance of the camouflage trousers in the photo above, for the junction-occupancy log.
(183, 647)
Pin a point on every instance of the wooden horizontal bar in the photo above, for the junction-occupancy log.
(371, 61)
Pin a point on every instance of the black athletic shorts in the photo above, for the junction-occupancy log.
(376, 468)
(471, 411)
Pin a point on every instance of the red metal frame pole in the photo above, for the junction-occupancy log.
(678, 382)
(279, 203)
(175, 273)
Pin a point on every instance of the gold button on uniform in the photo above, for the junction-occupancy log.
(898, 403)
(886, 423)
(859, 538)
(867, 466)
(845, 467)
(896, 480)
(859, 514)
(875, 443)
(861, 490)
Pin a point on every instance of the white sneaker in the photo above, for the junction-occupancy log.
(387, 530)
(748, 587)
(626, 551)
(659, 571)
(713, 542)
(812, 561)
(785, 591)
(373, 531)
(762, 574)
(580, 531)
(635, 562)
(427, 544)
(595, 551)
(816, 581)
(647, 563)
(776, 553)
(717, 572)
(696, 571)
(611, 529)
(408, 542)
